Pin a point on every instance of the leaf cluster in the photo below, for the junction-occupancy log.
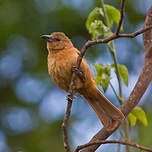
(103, 74)
(96, 25)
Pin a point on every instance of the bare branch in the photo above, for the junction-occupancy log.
(65, 123)
(147, 36)
(114, 36)
(137, 33)
(121, 16)
(113, 142)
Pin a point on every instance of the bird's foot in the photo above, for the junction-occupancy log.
(70, 97)
(79, 73)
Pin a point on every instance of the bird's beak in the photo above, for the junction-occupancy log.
(48, 38)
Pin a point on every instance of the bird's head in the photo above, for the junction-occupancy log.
(57, 41)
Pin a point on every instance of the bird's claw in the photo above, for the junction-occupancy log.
(70, 97)
(79, 73)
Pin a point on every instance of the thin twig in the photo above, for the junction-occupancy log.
(90, 43)
(114, 36)
(65, 124)
(126, 125)
(127, 134)
(105, 14)
(113, 89)
(113, 142)
(117, 71)
(121, 16)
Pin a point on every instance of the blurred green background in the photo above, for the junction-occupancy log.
(31, 106)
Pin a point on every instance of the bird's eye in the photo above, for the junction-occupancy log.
(57, 39)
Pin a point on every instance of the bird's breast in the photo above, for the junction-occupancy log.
(59, 68)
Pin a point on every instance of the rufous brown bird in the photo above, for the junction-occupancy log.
(62, 57)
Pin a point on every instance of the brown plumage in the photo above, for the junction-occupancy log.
(61, 58)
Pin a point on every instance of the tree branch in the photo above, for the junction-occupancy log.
(121, 16)
(113, 142)
(65, 124)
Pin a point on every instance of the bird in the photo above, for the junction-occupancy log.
(62, 58)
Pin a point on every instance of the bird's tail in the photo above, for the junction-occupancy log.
(109, 115)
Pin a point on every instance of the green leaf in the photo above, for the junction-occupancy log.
(113, 15)
(123, 72)
(95, 14)
(132, 119)
(95, 25)
(141, 115)
(102, 75)
(95, 22)
(95, 29)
